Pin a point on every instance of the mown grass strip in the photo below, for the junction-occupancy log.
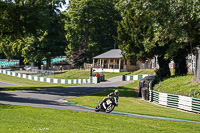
(26, 84)
(143, 71)
(84, 74)
(182, 85)
(28, 119)
(136, 115)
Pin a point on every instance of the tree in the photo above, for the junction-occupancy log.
(79, 56)
(93, 21)
(188, 20)
(157, 28)
(137, 34)
(33, 29)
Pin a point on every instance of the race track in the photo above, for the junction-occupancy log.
(53, 98)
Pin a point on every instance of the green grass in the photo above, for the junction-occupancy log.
(25, 83)
(28, 119)
(143, 71)
(112, 74)
(84, 74)
(182, 85)
(73, 74)
(129, 103)
(147, 71)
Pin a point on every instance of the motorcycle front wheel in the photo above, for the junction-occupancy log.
(98, 107)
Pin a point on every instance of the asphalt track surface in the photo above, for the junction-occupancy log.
(7, 84)
(54, 98)
(51, 97)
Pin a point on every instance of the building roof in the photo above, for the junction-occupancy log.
(114, 53)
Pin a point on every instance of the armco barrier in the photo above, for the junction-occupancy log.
(134, 77)
(176, 101)
(51, 80)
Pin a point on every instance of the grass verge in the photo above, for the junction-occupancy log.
(143, 71)
(112, 74)
(28, 119)
(73, 74)
(182, 85)
(25, 83)
(130, 104)
(84, 74)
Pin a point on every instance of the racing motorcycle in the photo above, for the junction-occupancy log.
(107, 106)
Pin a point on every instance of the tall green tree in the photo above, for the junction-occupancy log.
(32, 28)
(152, 28)
(139, 34)
(92, 22)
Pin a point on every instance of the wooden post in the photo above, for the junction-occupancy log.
(100, 63)
(109, 64)
(114, 64)
(119, 65)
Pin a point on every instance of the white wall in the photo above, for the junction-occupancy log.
(106, 70)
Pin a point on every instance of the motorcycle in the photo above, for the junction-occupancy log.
(107, 106)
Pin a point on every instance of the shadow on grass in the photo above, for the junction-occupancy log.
(4, 106)
(59, 72)
(124, 92)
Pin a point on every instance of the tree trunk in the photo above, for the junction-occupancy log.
(39, 64)
(164, 70)
(21, 61)
(180, 62)
(180, 65)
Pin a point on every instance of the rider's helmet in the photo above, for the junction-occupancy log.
(116, 92)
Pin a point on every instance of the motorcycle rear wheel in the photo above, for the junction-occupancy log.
(110, 108)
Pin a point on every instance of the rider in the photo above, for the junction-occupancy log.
(111, 96)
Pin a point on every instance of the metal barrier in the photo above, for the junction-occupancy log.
(134, 77)
(146, 83)
(170, 100)
(176, 101)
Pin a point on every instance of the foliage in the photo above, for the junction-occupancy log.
(133, 28)
(29, 29)
(79, 56)
(159, 28)
(136, 34)
(91, 22)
